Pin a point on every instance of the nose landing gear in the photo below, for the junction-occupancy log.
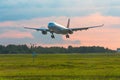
(52, 36)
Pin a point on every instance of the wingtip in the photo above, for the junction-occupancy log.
(102, 25)
(24, 26)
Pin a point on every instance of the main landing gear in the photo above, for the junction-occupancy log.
(67, 36)
(52, 36)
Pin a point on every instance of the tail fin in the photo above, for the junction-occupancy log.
(68, 24)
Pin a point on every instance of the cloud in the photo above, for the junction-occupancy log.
(7, 23)
(80, 21)
(16, 37)
(29, 9)
(15, 34)
(46, 39)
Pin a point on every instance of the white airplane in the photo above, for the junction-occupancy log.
(54, 27)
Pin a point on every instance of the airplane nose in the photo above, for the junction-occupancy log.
(50, 25)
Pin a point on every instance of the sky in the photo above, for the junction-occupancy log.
(15, 14)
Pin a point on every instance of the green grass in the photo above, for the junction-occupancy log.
(60, 67)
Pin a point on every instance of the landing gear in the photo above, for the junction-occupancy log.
(67, 36)
(52, 36)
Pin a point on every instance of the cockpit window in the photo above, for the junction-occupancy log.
(51, 24)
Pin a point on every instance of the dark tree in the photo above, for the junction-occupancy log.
(23, 49)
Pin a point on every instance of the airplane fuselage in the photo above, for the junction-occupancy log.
(57, 28)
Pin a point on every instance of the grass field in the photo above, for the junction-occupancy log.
(60, 67)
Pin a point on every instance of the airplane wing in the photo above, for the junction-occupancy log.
(37, 29)
(85, 28)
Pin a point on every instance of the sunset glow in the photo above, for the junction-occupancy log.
(38, 13)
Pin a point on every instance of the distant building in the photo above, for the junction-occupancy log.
(118, 49)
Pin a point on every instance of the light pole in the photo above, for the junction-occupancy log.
(33, 51)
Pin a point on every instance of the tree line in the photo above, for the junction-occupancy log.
(24, 49)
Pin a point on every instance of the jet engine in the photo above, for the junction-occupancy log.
(70, 31)
(44, 32)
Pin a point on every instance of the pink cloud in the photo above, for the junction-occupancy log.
(7, 24)
(16, 34)
(101, 37)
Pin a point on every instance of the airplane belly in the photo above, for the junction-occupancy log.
(61, 32)
(58, 30)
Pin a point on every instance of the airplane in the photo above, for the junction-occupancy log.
(54, 27)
